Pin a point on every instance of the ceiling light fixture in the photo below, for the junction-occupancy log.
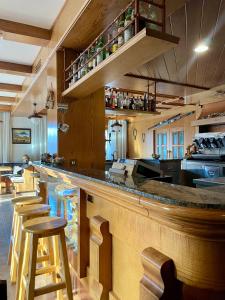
(201, 48)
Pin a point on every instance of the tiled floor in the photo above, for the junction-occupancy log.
(5, 230)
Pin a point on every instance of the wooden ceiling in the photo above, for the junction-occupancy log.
(196, 21)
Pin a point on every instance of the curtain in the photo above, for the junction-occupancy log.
(118, 144)
(39, 138)
(6, 137)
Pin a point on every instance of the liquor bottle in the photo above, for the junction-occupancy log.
(145, 106)
(100, 55)
(118, 100)
(120, 30)
(84, 70)
(115, 40)
(90, 63)
(108, 48)
(121, 97)
(128, 32)
(93, 52)
(152, 16)
(79, 69)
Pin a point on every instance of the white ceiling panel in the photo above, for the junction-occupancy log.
(11, 79)
(17, 52)
(7, 94)
(32, 12)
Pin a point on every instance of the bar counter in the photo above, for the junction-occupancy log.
(144, 239)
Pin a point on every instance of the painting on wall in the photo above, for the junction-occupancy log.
(21, 135)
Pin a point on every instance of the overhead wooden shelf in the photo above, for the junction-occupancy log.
(209, 121)
(142, 48)
(129, 112)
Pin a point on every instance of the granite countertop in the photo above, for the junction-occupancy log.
(213, 181)
(162, 192)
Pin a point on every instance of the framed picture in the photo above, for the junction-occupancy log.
(21, 135)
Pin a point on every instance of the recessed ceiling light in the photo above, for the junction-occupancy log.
(201, 48)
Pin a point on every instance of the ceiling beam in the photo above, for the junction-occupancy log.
(4, 108)
(167, 81)
(7, 99)
(15, 69)
(10, 87)
(24, 33)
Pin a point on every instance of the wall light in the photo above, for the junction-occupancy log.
(201, 48)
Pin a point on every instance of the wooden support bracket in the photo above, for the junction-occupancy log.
(100, 258)
(159, 280)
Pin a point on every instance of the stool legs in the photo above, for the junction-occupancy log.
(15, 249)
(32, 268)
(66, 265)
(21, 290)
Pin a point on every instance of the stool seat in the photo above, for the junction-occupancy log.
(32, 209)
(44, 225)
(26, 200)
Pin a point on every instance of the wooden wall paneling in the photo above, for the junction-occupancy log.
(85, 140)
(83, 236)
(100, 258)
(158, 281)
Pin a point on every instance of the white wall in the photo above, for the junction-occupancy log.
(38, 142)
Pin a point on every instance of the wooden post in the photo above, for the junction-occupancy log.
(100, 258)
(137, 14)
(159, 280)
(43, 186)
(83, 236)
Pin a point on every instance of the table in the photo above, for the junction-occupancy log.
(6, 180)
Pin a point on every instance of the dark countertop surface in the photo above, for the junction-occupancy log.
(211, 181)
(165, 193)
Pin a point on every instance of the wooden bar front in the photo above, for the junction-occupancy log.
(142, 249)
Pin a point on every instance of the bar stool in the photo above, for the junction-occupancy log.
(51, 228)
(17, 202)
(23, 214)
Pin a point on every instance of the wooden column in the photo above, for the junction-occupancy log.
(159, 280)
(100, 258)
(83, 236)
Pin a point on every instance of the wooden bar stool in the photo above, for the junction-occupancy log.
(51, 228)
(18, 202)
(23, 214)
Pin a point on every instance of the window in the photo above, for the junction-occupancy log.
(177, 144)
(161, 145)
(170, 143)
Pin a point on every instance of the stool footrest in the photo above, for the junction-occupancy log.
(42, 258)
(49, 288)
(45, 270)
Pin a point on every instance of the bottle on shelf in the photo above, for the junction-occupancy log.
(100, 55)
(93, 52)
(108, 47)
(152, 16)
(115, 40)
(90, 63)
(120, 30)
(129, 31)
(84, 65)
(145, 105)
